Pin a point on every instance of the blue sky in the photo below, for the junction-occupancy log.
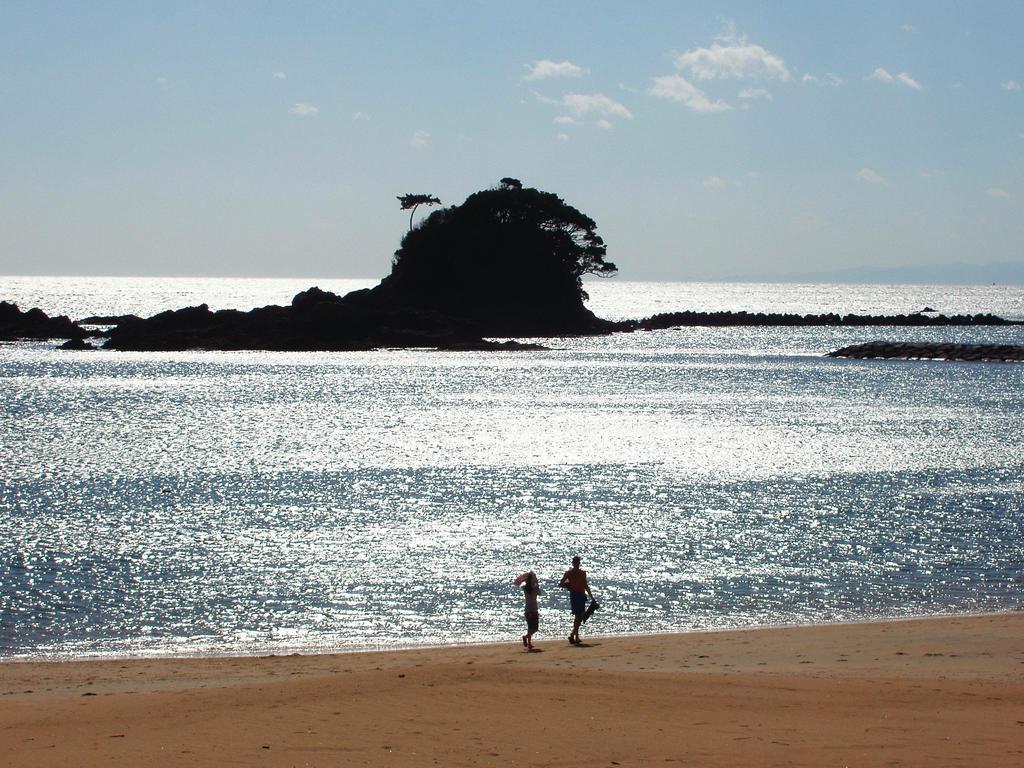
(707, 140)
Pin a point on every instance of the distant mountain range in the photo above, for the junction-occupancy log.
(932, 274)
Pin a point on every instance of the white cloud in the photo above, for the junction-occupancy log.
(998, 193)
(563, 137)
(729, 57)
(678, 88)
(735, 60)
(302, 109)
(545, 68)
(604, 124)
(883, 75)
(909, 28)
(420, 139)
(279, 75)
(828, 81)
(713, 182)
(910, 82)
(1010, 85)
(581, 104)
(360, 117)
(564, 120)
(870, 176)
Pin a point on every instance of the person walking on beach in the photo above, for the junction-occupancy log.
(575, 580)
(531, 588)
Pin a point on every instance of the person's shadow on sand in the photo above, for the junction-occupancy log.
(585, 645)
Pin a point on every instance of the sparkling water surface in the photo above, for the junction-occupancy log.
(182, 503)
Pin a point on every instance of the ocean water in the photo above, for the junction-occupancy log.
(209, 503)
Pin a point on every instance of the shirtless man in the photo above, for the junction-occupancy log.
(575, 580)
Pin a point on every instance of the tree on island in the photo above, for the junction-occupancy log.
(510, 257)
(414, 201)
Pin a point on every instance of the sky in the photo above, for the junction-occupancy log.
(707, 140)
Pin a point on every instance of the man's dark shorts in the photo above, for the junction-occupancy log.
(578, 600)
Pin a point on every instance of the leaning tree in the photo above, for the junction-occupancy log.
(414, 201)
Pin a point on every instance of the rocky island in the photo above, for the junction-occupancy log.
(507, 262)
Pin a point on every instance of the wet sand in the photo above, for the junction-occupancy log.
(931, 692)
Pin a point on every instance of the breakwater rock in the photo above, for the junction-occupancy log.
(889, 350)
(724, 319)
(35, 324)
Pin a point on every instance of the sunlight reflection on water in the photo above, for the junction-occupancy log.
(254, 502)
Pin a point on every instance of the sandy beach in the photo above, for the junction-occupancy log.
(930, 692)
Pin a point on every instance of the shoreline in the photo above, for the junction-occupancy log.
(929, 691)
(301, 651)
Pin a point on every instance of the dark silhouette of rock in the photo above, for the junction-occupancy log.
(365, 319)
(315, 320)
(107, 319)
(722, 319)
(888, 350)
(35, 324)
(81, 344)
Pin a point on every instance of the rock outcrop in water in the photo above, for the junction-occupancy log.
(320, 320)
(77, 344)
(370, 319)
(891, 350)
(35, 324)
(724, 319)
(108, 319)
(315, 320)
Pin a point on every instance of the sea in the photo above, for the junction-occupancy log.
(210, 503)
